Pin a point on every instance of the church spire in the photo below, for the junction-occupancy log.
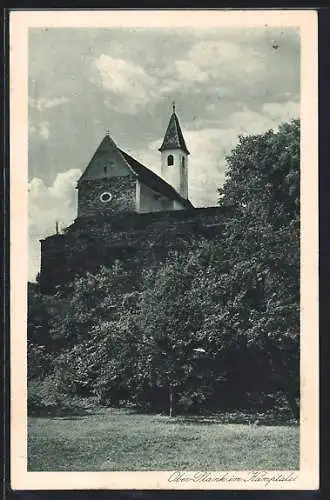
(174, 156)
(173, 138)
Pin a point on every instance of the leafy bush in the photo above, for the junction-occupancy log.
(40, 361)
(42, 395)
(192, 402)
(45, 398)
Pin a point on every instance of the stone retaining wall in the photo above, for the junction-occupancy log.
(135, 239)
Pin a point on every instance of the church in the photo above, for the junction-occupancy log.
(115, 182)
(127, 212)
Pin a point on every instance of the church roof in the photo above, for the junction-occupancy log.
(154, 181)
(173, 136)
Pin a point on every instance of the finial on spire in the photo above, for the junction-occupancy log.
(56, 227)
(108, 132)
(173, 106)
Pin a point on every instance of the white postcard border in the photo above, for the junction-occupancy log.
(306, 21)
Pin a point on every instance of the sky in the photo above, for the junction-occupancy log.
(225, 82)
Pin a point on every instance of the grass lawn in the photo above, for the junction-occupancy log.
(112, 439)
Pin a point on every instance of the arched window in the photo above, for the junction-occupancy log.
(183, 163)
(170, 160)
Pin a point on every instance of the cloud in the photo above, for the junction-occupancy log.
(246, 66)
(190, 72)
(208, 150)
(64, 185)
(221, 68)
(247, 121)
(42, 129)
(224, 60)
(131, 88)
(124, 80)
(271, 115)
(283, 111)
(48, 204)
(43, 103)
(181, 75)
(38, 126)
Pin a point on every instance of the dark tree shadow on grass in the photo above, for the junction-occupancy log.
(270, 417)
(241, 418)
(74, 413)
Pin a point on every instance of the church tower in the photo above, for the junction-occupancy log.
(174, 157)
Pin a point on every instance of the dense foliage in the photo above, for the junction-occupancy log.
(212, 327)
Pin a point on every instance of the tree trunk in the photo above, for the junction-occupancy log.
(171, 401)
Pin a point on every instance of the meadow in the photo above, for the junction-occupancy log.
(118, 440)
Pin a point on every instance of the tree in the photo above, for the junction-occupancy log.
(90, 325)
(176, 300)
(262, 250)
(213, 323)
(81, 304)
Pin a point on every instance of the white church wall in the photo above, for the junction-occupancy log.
(148, 200)
(178, 206)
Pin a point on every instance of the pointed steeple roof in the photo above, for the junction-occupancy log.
(173, 136)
